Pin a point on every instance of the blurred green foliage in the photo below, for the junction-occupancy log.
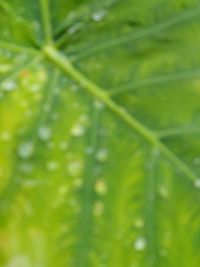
(99, 133)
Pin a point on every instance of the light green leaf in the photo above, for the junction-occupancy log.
(99, 133)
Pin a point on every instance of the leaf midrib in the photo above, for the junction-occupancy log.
(66, 66)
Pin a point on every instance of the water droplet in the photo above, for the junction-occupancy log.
(25, 150)
(98, 15)
(9, 85)
(197, 183)
(44, 133)
(101, 187)
(74, 168)
(76, 27)
(102, 155)
(140, 244)
(63, 189)
(78, 130)
(139, 223)
(5, 136)
(99, 105)
(4, 68)
(19, 261)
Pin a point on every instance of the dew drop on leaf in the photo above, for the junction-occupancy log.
(197, 183)
(139, 223)
(44, 133)
(9, 85)
(63, 189)
(19, 261)
(98, 105)
(4, 68)
(140, 244)
(98, 15)
(102, 155)
(78, 130)
(25, 150)
(100, 187)
(75, 28)
(74, 168)
(5, 136)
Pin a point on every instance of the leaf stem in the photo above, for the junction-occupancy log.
(65, 65)
(45, 12)
(178, 131)
(157, 80)
(84, 51)
(17, 48)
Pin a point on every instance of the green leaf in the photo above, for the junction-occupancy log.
(99, 133)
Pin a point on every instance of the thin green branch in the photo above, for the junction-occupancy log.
(82, 51)
(178, 131)
(46, 19)
(17, 48)
(65, 65)
(159, 80)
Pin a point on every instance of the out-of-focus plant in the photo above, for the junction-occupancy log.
(99, 133)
